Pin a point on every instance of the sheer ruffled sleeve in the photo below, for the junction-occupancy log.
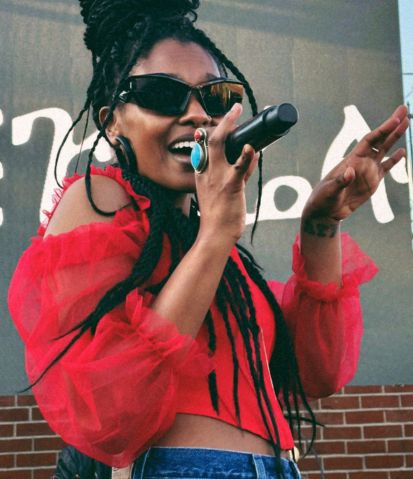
(113, 392)
(326, 320)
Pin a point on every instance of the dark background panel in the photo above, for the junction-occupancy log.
(320, 55)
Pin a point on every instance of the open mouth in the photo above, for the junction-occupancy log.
(181, 147)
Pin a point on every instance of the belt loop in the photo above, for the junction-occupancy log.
(259, 466)
(295, 471)
(144, 459)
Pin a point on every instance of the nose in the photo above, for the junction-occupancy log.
(195, 114)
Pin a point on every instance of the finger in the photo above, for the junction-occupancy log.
(348, 176)
(379, 135)
(252, 166)
(343, 180)
(395, 158)
(216, 142)
(401, 112)
(244, 162)
(395, 135)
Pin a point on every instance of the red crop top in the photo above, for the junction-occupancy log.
(116, 392)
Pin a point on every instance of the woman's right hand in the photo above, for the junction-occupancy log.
(221, 187)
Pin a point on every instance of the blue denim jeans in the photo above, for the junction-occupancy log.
(194, 463)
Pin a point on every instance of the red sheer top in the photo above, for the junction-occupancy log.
(116, 392)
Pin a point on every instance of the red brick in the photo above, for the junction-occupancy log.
(407, 400)
(309, 463)
(368, 475)
(329, 447)
(384, 461)
(371, 432)
(315, 404)
(43, 473)
(327, 418)
(401, 474)
(361, 417)
(340, 402)
(7, 401)
(332, 475)
(47, 459)
(306, 433)
(15, 445)
(34, 429)
(363, 389)
(401, 445)
(409, 460)
(360, 447)
(26, 400)
(408, 429)
(399, 388)
(6, 430)
(25, 474)
(343, 463)
(344, 432)
(37, 415)
(48, 444)
(6, 460)
(380, 401)
(15, 414)
(399, 415)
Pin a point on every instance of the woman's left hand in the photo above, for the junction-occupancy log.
(354, 180)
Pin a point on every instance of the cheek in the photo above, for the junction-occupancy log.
(149, 137)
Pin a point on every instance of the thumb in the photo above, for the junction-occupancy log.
(346, 178)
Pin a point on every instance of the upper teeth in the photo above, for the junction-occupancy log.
(183, 144)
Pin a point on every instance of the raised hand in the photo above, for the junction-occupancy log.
(221, 187)
(357, 176)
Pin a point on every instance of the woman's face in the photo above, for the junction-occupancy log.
(153, 135)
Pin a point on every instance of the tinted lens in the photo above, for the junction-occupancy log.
(163, 95)
(168, 96)
(219, 97)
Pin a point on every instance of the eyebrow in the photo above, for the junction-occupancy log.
(209, 76)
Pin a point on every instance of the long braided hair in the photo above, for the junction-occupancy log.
(119, 33)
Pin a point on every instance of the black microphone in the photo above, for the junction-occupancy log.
(260, 131)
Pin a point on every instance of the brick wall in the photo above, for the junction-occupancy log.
(368, 434)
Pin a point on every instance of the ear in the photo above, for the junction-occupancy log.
(113, 129)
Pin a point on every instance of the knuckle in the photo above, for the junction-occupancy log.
(215, 141)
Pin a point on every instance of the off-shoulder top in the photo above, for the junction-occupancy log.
(114, 393)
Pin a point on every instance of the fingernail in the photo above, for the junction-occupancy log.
(246, 151)
(236, 107)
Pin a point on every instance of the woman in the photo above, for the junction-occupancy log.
(151, 335)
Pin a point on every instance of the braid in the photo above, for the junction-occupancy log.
(283, 364)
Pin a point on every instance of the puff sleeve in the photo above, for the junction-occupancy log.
(325, 321)
(113, 393)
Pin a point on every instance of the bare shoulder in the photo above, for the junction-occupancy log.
(74, 209)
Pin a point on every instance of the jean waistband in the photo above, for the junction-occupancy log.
(202, 463)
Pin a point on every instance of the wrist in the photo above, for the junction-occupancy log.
(320, 226)
(215, 243)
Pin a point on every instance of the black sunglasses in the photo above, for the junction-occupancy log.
(168, 95)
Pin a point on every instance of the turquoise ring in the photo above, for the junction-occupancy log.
(199, 153)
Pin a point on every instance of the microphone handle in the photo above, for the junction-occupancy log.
(260, 131)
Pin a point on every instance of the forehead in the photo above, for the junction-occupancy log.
(188, 61)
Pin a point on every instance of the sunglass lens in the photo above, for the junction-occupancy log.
(220, 97)
(163, 95)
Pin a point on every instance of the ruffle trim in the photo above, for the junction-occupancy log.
(357, 268)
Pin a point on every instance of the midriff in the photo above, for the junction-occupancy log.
(191, 430)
